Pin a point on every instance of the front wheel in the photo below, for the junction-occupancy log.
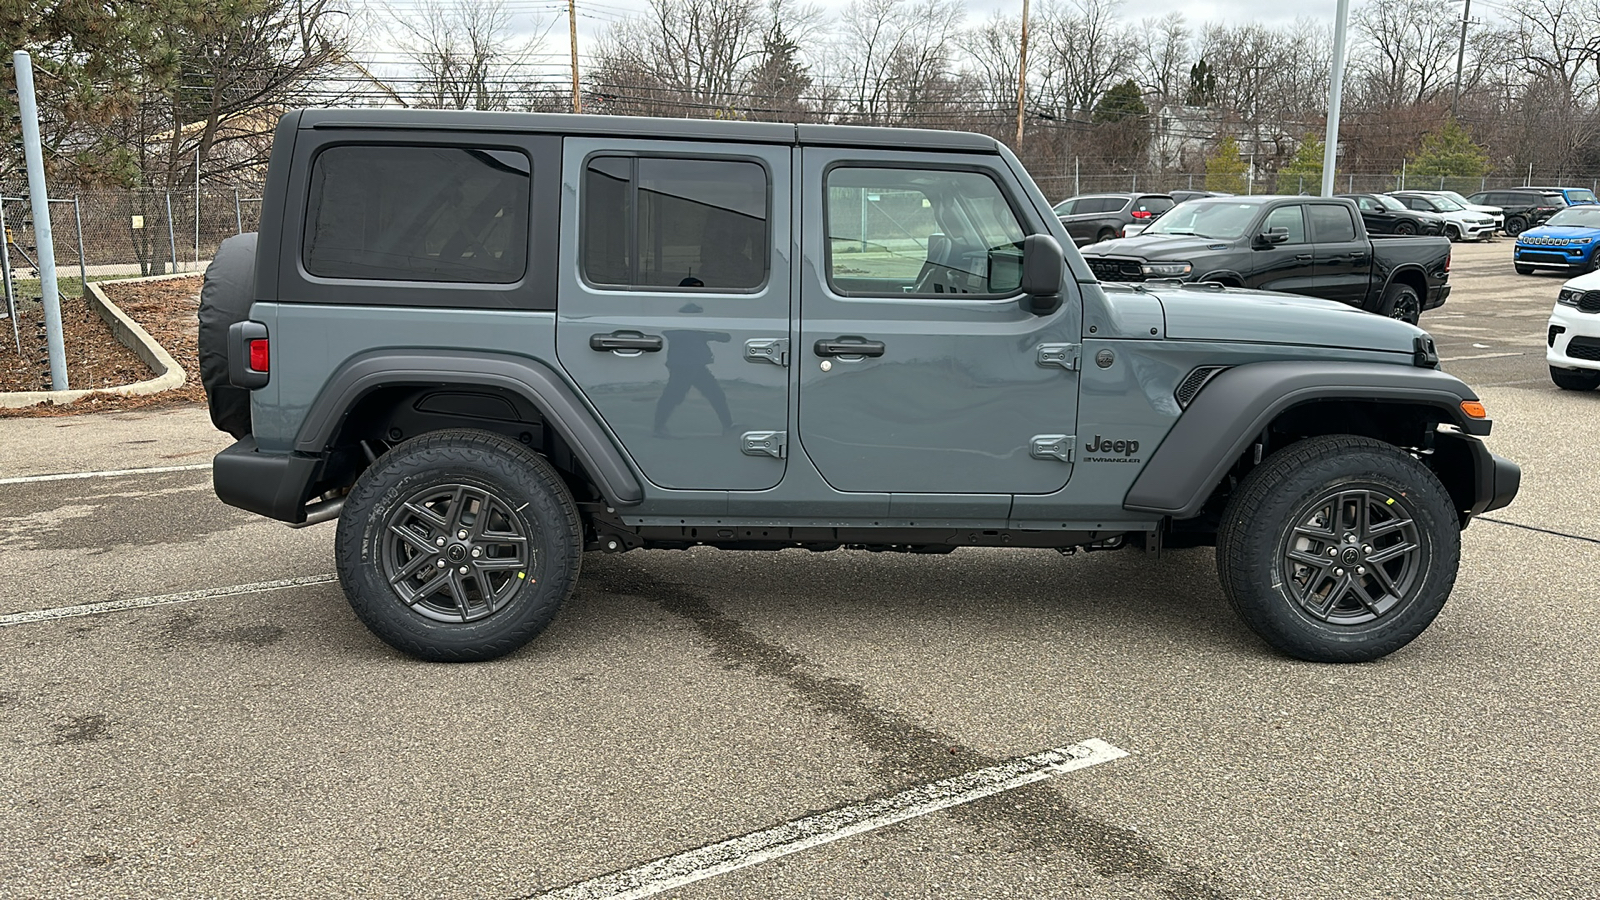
(1339, 549)
(458, 546)
(1575, 379)
(1452, 233)
(1524, 270)
(1405, 228)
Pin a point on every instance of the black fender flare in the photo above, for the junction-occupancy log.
(1237, 405)
(1402, 269)
(536, 382)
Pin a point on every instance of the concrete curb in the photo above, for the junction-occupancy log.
(168, 375)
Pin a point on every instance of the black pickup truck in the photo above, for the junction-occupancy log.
(1316, 246)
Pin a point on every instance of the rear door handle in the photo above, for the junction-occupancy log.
(625, 340)
(849, 346)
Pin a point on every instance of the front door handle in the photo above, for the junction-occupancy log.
(849, 346)
(625, 340)
(1303, 257)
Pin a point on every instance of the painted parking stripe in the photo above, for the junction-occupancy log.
(671, 872)
(109, 473)
(92, 609)
(1477, 356)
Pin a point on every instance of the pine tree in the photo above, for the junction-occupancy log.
(1450, 152)
(1303, 172)
(1225, 168)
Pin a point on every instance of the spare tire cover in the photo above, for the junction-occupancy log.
(225, 298)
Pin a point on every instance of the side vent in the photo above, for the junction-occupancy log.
(1190, 387)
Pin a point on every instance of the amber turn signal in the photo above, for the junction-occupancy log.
(1474, 409)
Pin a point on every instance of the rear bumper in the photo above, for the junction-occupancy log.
(269, 484)
(1436, 296)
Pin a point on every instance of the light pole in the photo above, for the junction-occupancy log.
(1330, 147)
(1461, 56)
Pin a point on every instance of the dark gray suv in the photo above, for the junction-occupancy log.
(1092, 218)
(486, 343)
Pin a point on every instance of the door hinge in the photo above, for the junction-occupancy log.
(765, 443)
(1052, 446)
(1064, 355)
(772, 350)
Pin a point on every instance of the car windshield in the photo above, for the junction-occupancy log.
(1445, 204)
(1222, 221)
(1388, 202)
(1578, 195)
(1456, 197)
(1581, 216)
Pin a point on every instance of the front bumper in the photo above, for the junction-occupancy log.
(269, 484)
(1479, 232)
(1573, 339)
(1553, 257)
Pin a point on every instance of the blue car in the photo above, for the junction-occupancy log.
(1575, 196)
(1567, 241)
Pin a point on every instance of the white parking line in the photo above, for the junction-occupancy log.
(671, 872)
(109, 473)
(90, 609)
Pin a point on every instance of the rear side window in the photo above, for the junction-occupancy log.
(698, 224)
(439, 214)
(1331, 224)
(1155, 205)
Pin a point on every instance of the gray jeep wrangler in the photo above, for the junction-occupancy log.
(487, 343)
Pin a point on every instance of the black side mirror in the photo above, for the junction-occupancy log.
(1042, 267)
(1277, 235)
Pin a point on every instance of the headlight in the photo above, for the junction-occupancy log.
(1581, 240)
(1569, 297)
(1167, 270)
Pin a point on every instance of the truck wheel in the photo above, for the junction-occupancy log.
(1339, 549)
(458, 546)
(1401, 302)
(1575, 379)
(225, 298)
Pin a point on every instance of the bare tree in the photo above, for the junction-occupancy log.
(1405, 52)
(1164, 46)
(894, 60)
(1083, 51)
(466, 54)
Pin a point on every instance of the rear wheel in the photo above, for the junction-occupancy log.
(1339, 549)
(1575, 379)
(1401, 302)
(1516, 225)
(1105, 234)
(458, 546)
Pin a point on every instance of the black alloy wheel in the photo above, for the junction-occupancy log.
(1351, 555)
(1405, 228)
(1401, 302)
(1516, 225)
(454, 552)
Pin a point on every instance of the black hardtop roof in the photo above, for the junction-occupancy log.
(650, 128)
(1258, 198)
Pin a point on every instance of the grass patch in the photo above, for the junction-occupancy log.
(28, 289)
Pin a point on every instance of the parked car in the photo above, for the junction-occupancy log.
(1573, 346)
(1460, 223)
(1100, 217)
(1523, 207)
(1493, 212)
(1303, 245)
(486, 343)
(1384, 214)
(1569, 240)
(1135, 228)
(1575, 196)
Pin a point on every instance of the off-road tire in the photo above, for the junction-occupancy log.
(1575, 379)
(426, 487)
(1401, 302)
(1273, 593)
(225, 298)
(1524, 270)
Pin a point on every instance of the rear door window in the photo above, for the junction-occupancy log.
(697, 224)
(1330, 224)
(414, 213)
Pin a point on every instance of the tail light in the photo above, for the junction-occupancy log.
(1446, 267)
(1140, 214)
(260, 356)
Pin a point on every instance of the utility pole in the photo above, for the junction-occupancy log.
(1461, 57)
(33, 152)
(1330, 146)
(572, 28)
(1022, 74)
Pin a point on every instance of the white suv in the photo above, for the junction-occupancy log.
(1460, 223)
(1574, 338)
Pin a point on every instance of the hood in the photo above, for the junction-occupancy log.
(1235, 314)
(1486, 210)
(1563, 232)
(1154, 246)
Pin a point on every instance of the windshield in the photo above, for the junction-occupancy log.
(1221, 221)
(1581, 216)
(1580, 196)
(1456, 197)
(1388, 202)
(1445, 204)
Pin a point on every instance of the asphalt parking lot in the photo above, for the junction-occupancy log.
(224, 726)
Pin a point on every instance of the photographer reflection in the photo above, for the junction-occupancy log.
(689, 362)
